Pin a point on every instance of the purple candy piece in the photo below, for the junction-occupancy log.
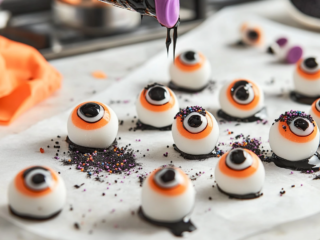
(294, 54)
(282, 41)
(167, 12)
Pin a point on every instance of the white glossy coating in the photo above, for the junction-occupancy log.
(42, 206)
(98, 138)
(241, 186)
(289, 150)
(166, 208)
(191, 80)
(196, 146)
(232, 110)
(304, 86)
(156, 119)
(315, 116)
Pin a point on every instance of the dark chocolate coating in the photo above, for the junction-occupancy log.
(300, 98)
(177, 228)
(242, 197)
(301, 165)
(141, 126)
(33, 218)
(261, 115)
(194, 157)
(182, 89)
(75, 147)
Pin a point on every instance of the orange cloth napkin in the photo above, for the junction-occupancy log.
(26, 78)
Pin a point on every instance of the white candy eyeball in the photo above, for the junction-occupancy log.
(241, 99)
(251, 35)
(242, 92)
(37, 193)
(238, 159)
(190, 58)
(91, 112)
(294, 136)
(156, 106)
(168, 178)
(310, 65)
(38, 178)
(240, 174)
(195, 131)
(190, 71)
(168, 195)
(158, 95)
(301, 126)
(195, 122)
(92, 125)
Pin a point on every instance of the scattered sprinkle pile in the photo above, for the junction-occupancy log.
(188, 110)
(114, 160)
(288, 117)
(251, 144)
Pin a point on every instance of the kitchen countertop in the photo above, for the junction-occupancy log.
(295, 229)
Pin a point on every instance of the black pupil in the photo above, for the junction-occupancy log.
(195, 121)
(319, 104)
(311, 63)
(168, 176)
(301, 124)
(190, 56)
(157, 93)
(90, 110)
(253, 35)
(237, 157)
(242, 93)
(38, 178)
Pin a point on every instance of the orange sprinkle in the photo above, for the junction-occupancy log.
(41, 150)
(81, 169)
(99, 75)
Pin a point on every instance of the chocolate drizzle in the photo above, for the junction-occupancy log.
(176, 228)
(175, 38)
(242, 197)
(173, 86)
(301, 165)
(34, 218)
(300, 98)
(75, 147)
(259, 116)
(199, 156)
(141, 126)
